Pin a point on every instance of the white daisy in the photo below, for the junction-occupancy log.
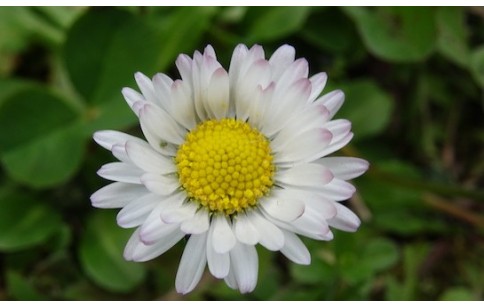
(233, 159)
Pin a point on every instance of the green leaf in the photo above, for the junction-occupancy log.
(41, 143)
(276, 22)
(399, 34)
(24, 221)
(180, 32)
(30, 114)
(332, 31)
(408, 289)
(368, 108)
(458, 294)
(20, 288)
(477, 65)
(400, 209)
(101, 254)
(453, 35)
(379, 254)
(47, 160)
(103, 50)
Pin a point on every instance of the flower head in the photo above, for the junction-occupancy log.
(232, 159)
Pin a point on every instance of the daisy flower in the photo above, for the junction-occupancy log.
(232, 159)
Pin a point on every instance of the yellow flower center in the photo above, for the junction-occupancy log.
(225, 165)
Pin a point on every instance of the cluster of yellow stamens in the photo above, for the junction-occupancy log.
(225, 165)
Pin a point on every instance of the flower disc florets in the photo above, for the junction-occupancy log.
(225, 165)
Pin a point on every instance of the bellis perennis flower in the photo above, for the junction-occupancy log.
(232, 159)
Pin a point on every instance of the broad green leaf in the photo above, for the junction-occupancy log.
(41, 142)
(20, 288)
(31, 114)
(24, 221)
(477, 65)
(332, 31)
(276, 22)
(104, 49)
(453, 34)
(179, 32)
(101, 254)
(368, 108)
(112, 114)
(47, 160)
(399, 34)
(10, 87)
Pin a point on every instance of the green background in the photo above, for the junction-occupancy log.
(414, 85)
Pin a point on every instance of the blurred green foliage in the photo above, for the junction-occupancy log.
(414, 81)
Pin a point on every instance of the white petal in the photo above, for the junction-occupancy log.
(244, 231)
(159, 184)
(345, 219)
(262, 101)
(155, 231)
(121, 172)
(339, 128)
(130, 247)
(305, 175)
(332, 100)
(137, 251)
(318, 82)
(271, 237)
(281, 59)
(146, 87)
(192, 264)
(207, 65)
(230, 280)
(178, 214)
(143, 156)
(285, 103)
(294, 249)
(238, 56)
(182, 108)
(283, 207)
(218, 263)
(160, 126)
(138, 106)
(154, 227)
(345, 168)
(257, 75)
(315, 203)
(184, 65)
(162, 88)
(245, 266)
(108, 138)
(295, 71)
(119, 151)
(335, 146)
(131, 97)
(199, 223)
(117, 195)
(217, 104)
(136, 212)
(310, 226)
(307, 147)
(314, 116)
(223, 237)
(337, 190)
